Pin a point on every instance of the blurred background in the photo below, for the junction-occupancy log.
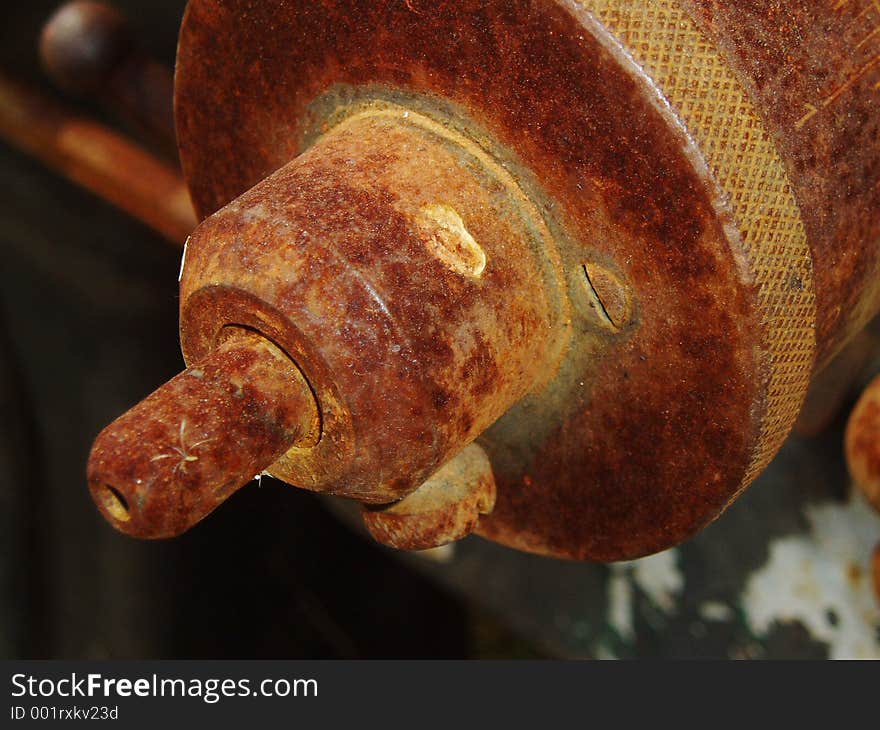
(88, 326)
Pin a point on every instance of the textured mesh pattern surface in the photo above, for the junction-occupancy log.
(709, 99)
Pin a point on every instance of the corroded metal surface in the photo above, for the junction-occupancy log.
(800, 545)
(446, 508)
(764, 223)
(420, 309)
(642, 439)
(814, 70)
(176, 456)
(572, 230)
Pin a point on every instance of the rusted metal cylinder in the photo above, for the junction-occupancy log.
(613, 241)
(709, 168)
(812, 70)
(406, 273)
(172, 459)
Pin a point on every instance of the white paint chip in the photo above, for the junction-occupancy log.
(716, 612)
(658, 577)
(620, 606)
(822, 580)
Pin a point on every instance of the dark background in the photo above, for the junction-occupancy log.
(88, 321)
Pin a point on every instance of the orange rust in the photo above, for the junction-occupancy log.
(446, 508)
(608, 295)
(334, 258)
(405, 274)
(173, 458)
(622, 456)
(794, 56)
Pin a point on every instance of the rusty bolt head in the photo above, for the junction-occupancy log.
(607, 295)
(445, 509)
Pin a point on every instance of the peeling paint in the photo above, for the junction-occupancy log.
(821, 581)
(658, 577)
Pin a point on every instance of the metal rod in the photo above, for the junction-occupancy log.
(98, 159)
(175, 457)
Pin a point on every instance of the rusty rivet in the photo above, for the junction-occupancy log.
(607, 295)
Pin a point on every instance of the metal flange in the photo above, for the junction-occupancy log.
(651, 425)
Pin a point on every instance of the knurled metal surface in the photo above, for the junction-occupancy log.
(704, 91)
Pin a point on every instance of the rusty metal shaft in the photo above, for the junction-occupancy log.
(176, 456)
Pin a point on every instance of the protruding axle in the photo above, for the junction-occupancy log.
(171, 460)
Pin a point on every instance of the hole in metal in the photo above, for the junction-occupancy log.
(115, 503)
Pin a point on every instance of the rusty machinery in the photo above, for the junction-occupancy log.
(559, 273)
